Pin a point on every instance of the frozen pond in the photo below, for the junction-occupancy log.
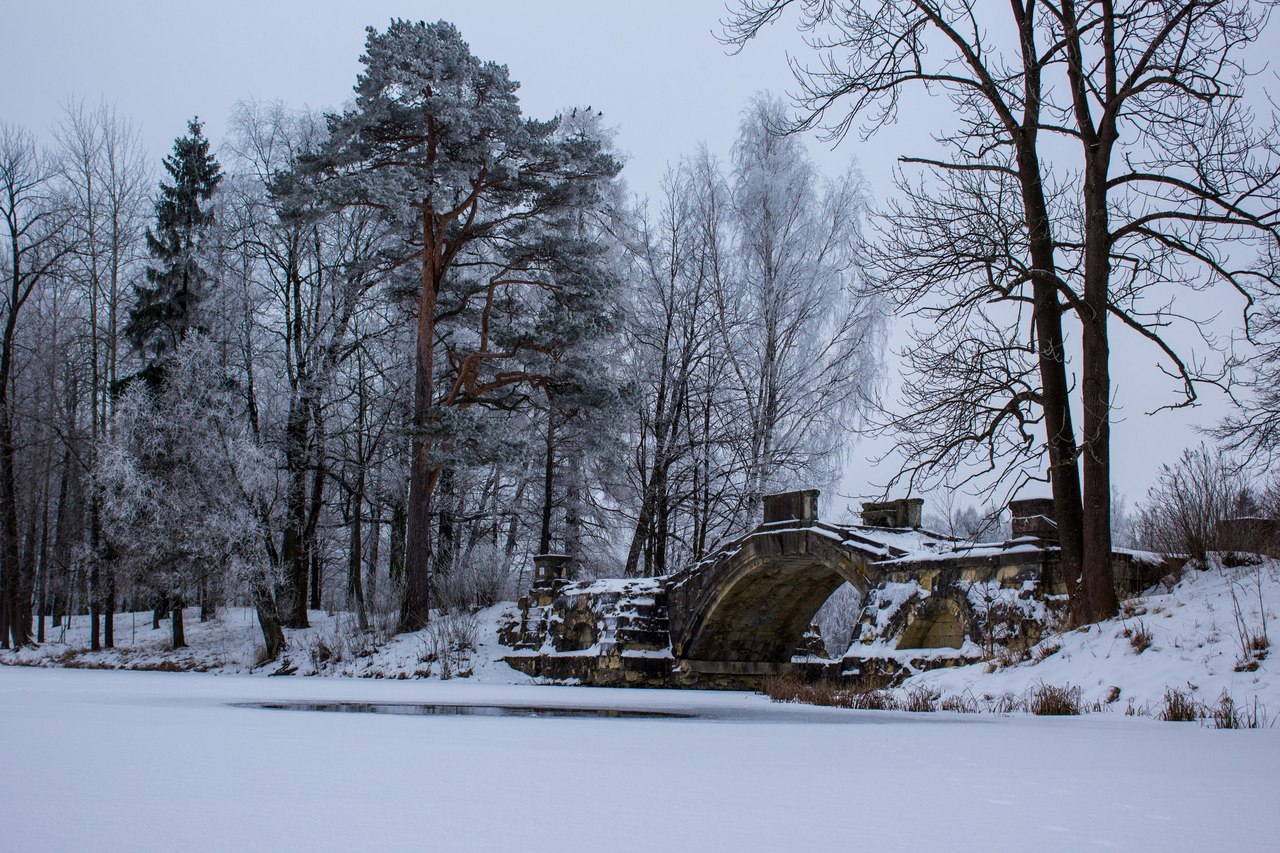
(418, 709)
(141, 761)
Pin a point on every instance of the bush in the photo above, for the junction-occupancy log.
(1228, 715)
(482, 578)
(1140, 637)
(960, 704)
(1185, 509)
(1048, 700)
(1179, 707)
(919, 699)
(450, 641)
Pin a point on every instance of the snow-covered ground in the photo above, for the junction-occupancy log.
(459, 644)
(100, 760)
(1195, 647)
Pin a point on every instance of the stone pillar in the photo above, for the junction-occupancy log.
(1033, 517)
(903, 512)
(550, 569)
(799, 506)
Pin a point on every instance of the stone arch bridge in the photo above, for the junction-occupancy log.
(745, 612)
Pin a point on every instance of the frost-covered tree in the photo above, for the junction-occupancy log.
(803, 343)
(307, 270)
(436, 143)
(178, 482)
(754, 349)
(105, 176)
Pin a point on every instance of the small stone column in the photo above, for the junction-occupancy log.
(1033, 517)
(902, 512)
(799, 506)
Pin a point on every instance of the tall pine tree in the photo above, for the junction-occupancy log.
(435, 142)
(167, 305)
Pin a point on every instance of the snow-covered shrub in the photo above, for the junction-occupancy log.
(450, 641)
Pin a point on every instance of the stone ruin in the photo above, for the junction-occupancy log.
(744, 613)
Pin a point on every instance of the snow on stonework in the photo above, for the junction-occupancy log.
(1202, 636)
(1196, 637)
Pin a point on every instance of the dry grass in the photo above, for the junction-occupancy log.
(1045, 650)
(959, 704)
(789, 687)
(874, 700)
(1139, 637)
(1179, 706)
(1049, 700)
(1226, 714)
(919, 700)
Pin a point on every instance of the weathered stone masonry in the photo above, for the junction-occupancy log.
(742, 613)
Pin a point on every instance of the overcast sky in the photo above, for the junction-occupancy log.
(653, 68)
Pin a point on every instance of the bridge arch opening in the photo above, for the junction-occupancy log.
(837, 619)
(756, 602)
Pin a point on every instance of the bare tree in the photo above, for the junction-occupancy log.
(1135, 170)
(1184, 511)
(34, 221)
(105, 178)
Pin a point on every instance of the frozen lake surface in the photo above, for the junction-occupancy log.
(162, 761)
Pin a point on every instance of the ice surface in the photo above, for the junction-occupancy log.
(160, 761)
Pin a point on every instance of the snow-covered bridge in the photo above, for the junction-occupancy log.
(743, 612)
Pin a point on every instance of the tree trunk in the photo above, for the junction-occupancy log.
(179, 634)
(548, 482)
(573, 514)
(95, 613)
(371, 570)
(399, 530)
(317, 580)
(446, 550)
(415, 610)
(355, 553)
(268, 619)
(294, 555)
(1098, 593)
(42, 588)
(208, 601)
(1064, 472)
(109, 609)
(314, 510)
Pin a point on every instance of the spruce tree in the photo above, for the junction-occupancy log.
(166, 306)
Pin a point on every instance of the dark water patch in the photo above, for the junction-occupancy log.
(437, 710)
